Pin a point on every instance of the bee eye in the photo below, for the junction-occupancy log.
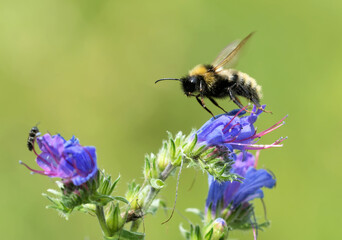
(189, 84)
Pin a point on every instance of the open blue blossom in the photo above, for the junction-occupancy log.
(65, 159)
(224, 198)
(236, 132)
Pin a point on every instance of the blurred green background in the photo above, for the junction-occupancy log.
(87, 68)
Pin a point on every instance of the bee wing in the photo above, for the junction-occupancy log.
(229, 54)
(225, 52)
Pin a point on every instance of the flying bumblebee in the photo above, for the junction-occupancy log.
(213, 81)
(34, 133)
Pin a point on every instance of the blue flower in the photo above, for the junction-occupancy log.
(228, 196)
(236, 132)
(65, 159)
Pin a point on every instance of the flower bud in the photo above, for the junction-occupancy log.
(162, 158)
(150, 170)
(114, 219)
(220, 229)
(217, 229)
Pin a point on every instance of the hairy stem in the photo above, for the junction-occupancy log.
(152, 193)
(102, 220)
(135, 225)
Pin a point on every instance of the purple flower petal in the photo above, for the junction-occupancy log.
(238, 132)
(66, 159)
(235, 193)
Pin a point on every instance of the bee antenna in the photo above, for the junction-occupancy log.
(163, 79)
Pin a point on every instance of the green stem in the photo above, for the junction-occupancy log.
(135, 225)
(102, 220)
(152, 193)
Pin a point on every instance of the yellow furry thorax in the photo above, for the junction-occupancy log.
(198, 70)
(202, 70)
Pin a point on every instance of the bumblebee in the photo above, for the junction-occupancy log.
(34, 133)
(214, 81)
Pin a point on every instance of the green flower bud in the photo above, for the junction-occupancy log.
(217, 230)
(151, 170)
(163, 158)
(114, 219)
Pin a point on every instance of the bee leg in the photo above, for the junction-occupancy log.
(260, 108)
(216, 104)
(201, 102)
(257, 104)
(235, 99)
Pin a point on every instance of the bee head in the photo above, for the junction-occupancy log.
(34, 129)
(190, 84)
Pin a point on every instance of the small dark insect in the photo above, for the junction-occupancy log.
(34, 133)
(213, 81)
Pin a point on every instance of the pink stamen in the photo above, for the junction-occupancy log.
(254, 233)
(269, 130)
(251, 137)
(272, 128)
(225, 131)
(257, 147)
(237, 114)
(257, 154)
(280, 140)
(31, 169)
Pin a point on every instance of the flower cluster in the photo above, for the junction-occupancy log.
(220, 148)
(67, 160)
(236, 133)
(228, 205)
(225, 198)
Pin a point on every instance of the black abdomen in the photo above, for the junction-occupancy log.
(230, 81)
(221, 86)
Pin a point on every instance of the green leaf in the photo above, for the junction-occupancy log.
(208, 151)
(199, 150)
(192, 145)
(172, 148)
(104, 185)
(147, 167)
(185, 233)
(196, 212)
(177, 161)
(113, 185)
(209, 234)
(122, 199)
(195, 233)
(169, 135)
(55, 192)
(101, 199)
(126, 235)
(179, 137)
(155, 205)
(157, 183)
